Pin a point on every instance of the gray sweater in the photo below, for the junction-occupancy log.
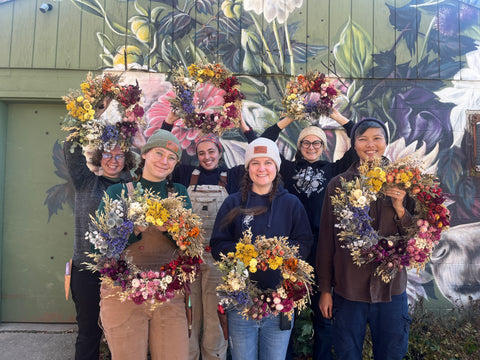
(89, 190)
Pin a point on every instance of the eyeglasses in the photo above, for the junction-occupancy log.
(108, 156)
(316, 144)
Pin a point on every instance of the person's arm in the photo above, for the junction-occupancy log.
(169, 121)
(350, 156)
(76, 163)
(325, 253)
(301, 233)
(274, 131)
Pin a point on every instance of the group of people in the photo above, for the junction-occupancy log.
(269, 195)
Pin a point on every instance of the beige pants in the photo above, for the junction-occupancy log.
(207, 335)
(131, 330)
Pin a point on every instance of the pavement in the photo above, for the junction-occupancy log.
(25, 341)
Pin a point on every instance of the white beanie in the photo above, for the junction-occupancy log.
(262, 147)
(312, 130)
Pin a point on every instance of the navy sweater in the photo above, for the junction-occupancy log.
(285, 217)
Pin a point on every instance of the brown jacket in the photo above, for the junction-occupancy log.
(334, 265)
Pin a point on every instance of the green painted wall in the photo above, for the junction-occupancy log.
(3, 138)
(34, 250)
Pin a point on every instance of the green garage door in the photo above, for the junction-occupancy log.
(34, 249)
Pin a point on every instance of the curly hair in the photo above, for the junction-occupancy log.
(129, 159)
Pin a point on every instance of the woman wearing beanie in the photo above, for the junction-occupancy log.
(265, 208)
(208, 184)
(115, 165)
(307, 177)
(360, 297)
(132, 330)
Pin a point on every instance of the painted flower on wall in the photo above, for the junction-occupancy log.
(272, 9)
(415, 122)
(206, 98)
(464, 94)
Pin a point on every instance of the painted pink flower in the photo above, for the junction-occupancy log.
(205, 99)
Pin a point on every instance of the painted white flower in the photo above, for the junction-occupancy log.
(465, 93)
(398, 150)
(272, 9)
(135, 283)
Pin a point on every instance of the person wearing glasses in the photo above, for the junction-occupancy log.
(307, 177)
(114, 165)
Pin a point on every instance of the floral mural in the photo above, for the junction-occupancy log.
(421, 85)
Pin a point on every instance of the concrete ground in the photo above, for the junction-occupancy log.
(37, 341)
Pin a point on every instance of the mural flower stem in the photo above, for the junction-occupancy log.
(290, 51)
(265, 44)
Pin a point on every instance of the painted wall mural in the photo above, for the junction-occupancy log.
(420, 82)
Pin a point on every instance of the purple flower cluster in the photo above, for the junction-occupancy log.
(116, 270)
(363, 224)
(186, 99)
(117, 238)
(241, 298)
(109, 133)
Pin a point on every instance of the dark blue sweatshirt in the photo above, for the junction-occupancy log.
(285, 217)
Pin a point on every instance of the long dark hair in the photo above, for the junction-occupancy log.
(257, 210)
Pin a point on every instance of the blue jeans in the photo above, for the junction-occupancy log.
(257, 340)
(322, 334)
(389, 325)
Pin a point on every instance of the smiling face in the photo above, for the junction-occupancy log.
(113, 162)
(208, 155)
(371, 144)
(262, 172)
(311, 148)
(159, 163)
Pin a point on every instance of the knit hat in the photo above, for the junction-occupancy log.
(355, 127)
(262, 147)
(163, 139)
(312, 130)
(209, 137)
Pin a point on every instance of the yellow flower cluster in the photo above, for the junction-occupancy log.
(209, 72)
(245, 253)
(274, 263)
(376, 178)
(157, 214)
(80, 108)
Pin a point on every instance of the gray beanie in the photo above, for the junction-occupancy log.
(163, 139)
(312, 130)
(262, 147)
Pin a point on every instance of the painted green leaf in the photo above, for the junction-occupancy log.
(91, 6)
(251, 61)
(354, 51)
(107, 60)
(251, 85)
(105, 43)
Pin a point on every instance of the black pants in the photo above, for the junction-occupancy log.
(85, 287)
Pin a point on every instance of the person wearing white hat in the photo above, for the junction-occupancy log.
(266, 208)
(307, 177)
